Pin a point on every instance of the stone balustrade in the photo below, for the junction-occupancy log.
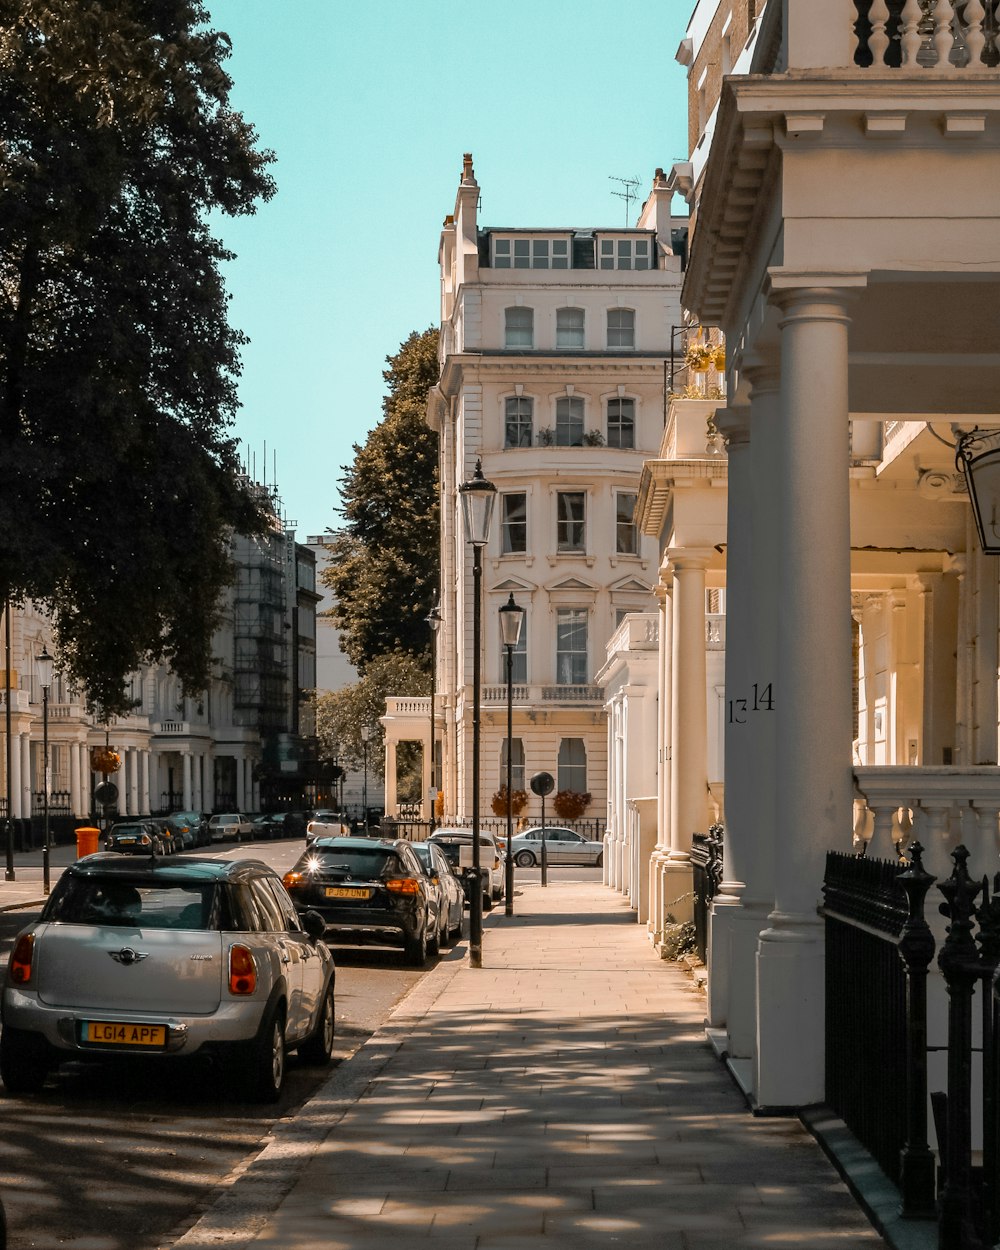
(939, 807)
(923, 34)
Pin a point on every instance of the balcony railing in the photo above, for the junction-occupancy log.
(924, 34)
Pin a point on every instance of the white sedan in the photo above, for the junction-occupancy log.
(562, 846)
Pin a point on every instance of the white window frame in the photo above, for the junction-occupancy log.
(625, 251)
(516, 768)
(507, 524)
(569, 771)
(621, 331)
(571, 415)
(571, 335)
(527, 251)
(566, 525)
(511, 331)
(625, 404)
(570, 619)
(519, 415)
(625, 528)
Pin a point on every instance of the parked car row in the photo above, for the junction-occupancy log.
(147, 835)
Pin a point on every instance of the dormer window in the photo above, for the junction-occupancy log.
(529, 252)
(625, 252)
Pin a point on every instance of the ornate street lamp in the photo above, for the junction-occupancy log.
(433, 619)
(511, 620)
(477, 497)
(366, 733)
(978, 456)
(45, 664)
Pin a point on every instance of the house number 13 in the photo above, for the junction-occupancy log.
(762, 701)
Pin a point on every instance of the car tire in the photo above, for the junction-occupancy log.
(23, 1068)
(525, 859)
(487, 901)
(318, 1046)
(456, 933)
(266, 1060)
(415, 949)
(434, 941)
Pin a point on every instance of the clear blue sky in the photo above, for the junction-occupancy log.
(369, 107)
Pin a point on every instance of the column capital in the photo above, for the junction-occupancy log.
(814, 296)
(682, 559)
(734, 426)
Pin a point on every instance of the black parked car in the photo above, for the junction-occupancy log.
(370, 892)
(192, 826)
(136, 837)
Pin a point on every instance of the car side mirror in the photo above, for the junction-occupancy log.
(314, 924)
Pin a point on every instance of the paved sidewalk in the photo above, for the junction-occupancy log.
(561, 1096)
(26, 888)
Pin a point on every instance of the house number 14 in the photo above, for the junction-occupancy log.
(762, 701)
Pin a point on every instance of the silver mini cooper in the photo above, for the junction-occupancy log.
(199, 956)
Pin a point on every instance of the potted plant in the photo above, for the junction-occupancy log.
(518, 802)
(546, 437)
(570, 804)
(698, 357)
(593, 438)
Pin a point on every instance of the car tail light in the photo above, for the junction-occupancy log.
(19, 969)
(242, 970)
(402, 885)
(292, 880)
(144, 840)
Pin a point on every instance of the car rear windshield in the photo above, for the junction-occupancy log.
(368, 863)
(114, 901)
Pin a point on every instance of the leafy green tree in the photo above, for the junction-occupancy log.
(383, 567)
(117, 364)
(341, 714)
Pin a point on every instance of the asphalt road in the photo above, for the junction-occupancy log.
(116, 1158)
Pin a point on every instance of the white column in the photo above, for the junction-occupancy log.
(144, 804)
(133, 781)
(197, 789)
(25, 776)
(811, 690)
(208, 795)
(661, 851)
(739, 780)
(186, 766)
(688, 726)
(15, 776)
(86, 780)
(75, 788)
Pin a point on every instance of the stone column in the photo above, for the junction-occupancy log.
(25, 776)
(197, 787)
(208, 796)
(688, 726)
(186, 783)
(15, 792)
(662, 848)
(75, 803)
(811, 691)
(734, 425)
(86, 781)
(144, 805)
(133, 781)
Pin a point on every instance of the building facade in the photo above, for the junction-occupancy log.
(553, 375)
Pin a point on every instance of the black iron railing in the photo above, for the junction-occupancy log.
(706, 873)
(878, 947)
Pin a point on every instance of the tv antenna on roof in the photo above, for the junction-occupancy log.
(630, 192)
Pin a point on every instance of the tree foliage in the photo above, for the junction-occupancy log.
(383, 567)
(341, 714)
(117, 363)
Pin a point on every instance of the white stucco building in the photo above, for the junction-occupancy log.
(553, 364)
(845, 239)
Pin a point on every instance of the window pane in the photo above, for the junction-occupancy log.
(518, 421)
(621, 327)
(626, 534)
(621, 423)
(573, 765)
(569, 421)
(569, 327)
(519, 327)
(571, 647)
(571, 521)
(516, 764)
(513, 523)
(521, 247)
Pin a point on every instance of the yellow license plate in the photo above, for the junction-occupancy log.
(346, 891)
(125, 1034)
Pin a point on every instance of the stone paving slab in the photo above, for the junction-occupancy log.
(562, 1096)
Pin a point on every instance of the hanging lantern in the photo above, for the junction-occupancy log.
(978, 456)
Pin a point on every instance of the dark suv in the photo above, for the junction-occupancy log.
(370, 891)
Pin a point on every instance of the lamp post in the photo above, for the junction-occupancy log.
(45, 664)
(477, 497)
(366, 733)
(433, 620)
(511, 619)
(978, 457)
(9, 871)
